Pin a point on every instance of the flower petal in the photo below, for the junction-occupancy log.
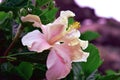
(73, 33)
(57, 66)
(76, 45)
(84, 44)
(77, 54)
(63, 51)
(81, 57)
(63, 19)
(35, 41)
(72, 37)
(67, 14)
(32, 18)
(53, 32)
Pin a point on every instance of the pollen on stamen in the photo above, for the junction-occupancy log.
(75, 25)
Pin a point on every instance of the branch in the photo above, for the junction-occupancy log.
(19, 31)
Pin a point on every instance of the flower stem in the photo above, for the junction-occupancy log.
(19, 31)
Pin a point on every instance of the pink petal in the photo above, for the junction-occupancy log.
(63, 18)
(35, 41)
(58, 67)
(75, 45)
(63, 50)
(71, 37)
(32, 18)
(54, 32)
(74, 34)
(81, 57)
(77, 54)
(74, 52)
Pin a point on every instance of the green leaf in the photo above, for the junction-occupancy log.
(40, 3)
(110, 77)
(110, 72)
(6, 67)
(48, 16)
(8, 72)
(6, 27)
(32, 56)
(14, 6)
(93, 62)
(87, 70)
(25, 70)
(89, 35)
(70, 76)
(70, 21)
(10, 4)
(92, 76)
(3, 17)
(51, 5)
(41, 67)
(39, 72)
(77, 70)
(36, 11)
(51, 14)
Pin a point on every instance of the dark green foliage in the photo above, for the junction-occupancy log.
(110, 75)
(26, 65)
(3, 16)
(70, 76)
(83, 70)
(40, 3)
(93, 61)
(25, 70)
(12, 5)
(32, 56)
(89, 35)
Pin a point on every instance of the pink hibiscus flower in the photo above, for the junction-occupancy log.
(63, 42)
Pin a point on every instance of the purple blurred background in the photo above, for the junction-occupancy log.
(109, 29)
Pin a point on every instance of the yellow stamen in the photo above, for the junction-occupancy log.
(75, 25)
